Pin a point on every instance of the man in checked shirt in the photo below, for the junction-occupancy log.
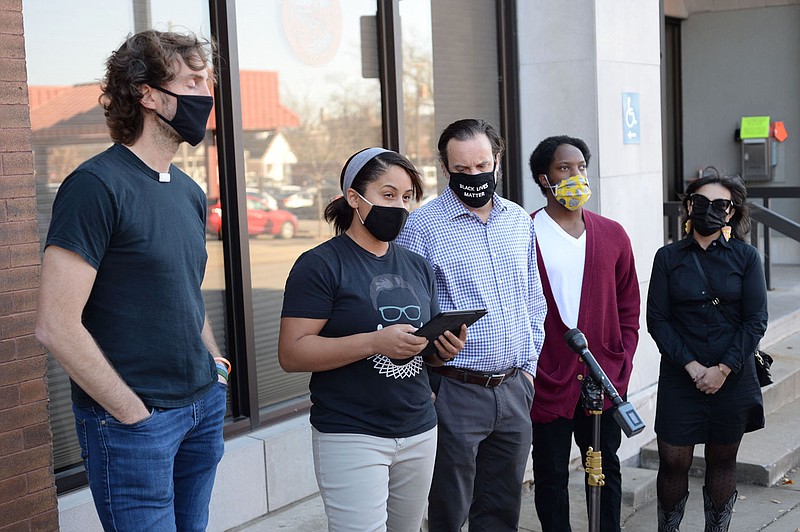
(482, 250)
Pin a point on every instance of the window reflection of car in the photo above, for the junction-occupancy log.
(299, 200)
(262, 218)
(272, 203)
(306, 203)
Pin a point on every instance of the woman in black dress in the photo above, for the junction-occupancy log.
(707, 387)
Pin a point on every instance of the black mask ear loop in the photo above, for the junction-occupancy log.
(165, 91)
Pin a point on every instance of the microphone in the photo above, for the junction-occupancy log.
(624, 413)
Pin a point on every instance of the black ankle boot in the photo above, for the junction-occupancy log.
(718, 520)
(669, 521)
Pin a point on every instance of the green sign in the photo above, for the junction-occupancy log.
(754, 127)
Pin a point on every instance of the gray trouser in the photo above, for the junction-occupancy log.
(371, 484)
(484, 443)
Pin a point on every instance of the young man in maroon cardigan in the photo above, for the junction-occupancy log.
(589, 281)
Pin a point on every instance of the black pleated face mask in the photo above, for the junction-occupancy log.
(707, 222)
(708, 216)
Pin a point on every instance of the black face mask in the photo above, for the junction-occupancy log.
(474, 190)
(384, 223)
(190, 117)
(707, 221)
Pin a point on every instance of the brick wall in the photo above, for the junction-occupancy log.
(27, 487)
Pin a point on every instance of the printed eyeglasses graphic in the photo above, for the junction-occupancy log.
(390, 313)
(701, 202)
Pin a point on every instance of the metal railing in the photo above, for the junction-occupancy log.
(771, 220)
(759, 214)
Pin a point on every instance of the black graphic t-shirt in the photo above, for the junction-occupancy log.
(357, 292)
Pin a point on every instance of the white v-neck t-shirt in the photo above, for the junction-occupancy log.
(564, 257)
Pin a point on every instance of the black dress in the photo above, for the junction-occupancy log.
(686, 327)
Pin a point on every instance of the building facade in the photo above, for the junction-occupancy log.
(301, 86)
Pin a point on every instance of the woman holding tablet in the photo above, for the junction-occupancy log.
(350, 309)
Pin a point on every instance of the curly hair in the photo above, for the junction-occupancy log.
(147, 57)
(544, 153)
(740, 221)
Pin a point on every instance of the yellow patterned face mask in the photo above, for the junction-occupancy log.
(572, 192)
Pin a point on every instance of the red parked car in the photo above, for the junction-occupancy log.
(261, 219)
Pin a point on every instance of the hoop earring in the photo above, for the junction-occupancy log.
(687, 227)
(726, 232)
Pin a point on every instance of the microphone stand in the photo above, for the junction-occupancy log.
(623, 412)
(592, 400)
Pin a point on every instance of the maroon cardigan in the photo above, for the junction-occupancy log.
(608, 316)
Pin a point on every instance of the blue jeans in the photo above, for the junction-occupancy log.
(157, 474)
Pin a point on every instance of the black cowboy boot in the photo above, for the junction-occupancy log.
(669, 521)
(718, 520)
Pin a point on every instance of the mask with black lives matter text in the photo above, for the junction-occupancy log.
(474, 190)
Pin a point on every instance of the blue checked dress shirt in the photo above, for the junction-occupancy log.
(488, 265)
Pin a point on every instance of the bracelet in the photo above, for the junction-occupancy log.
(226, 364)
(221, 372)
(723, 371)
(440, 357)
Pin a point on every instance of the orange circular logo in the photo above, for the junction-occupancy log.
(313, 29)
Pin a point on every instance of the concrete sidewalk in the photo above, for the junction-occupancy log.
(771, 509)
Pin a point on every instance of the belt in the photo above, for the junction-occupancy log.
(487, 380)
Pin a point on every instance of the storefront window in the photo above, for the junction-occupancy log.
(418, 91)
(310, 99)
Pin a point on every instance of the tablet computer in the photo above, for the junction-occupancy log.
(448, 320)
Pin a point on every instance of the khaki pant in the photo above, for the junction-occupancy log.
(376, 484)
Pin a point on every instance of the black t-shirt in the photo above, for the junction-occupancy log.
(358, 292)
(146, 240)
